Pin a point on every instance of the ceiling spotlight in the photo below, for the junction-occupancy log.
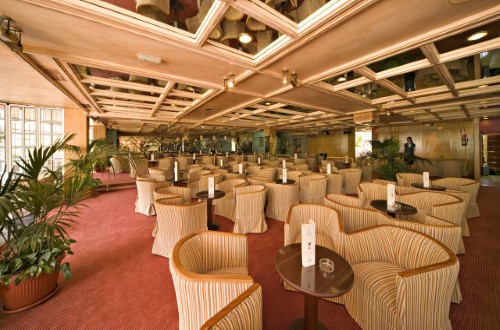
(342, 78)
(284, 77)
(10, 35)
(229, 82)
(245, 38)
(293, 79)
(485, 117)
(389, 113)
(268, 103)
(477, 35)
(482, 86)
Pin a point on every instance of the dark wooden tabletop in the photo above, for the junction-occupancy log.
(288, 181)
(322, 284)
(204, 194)
(381, 204)
(431, 187)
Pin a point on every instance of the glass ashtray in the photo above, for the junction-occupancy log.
(326, 265)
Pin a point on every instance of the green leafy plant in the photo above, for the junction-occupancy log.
(36, 243)
(86, 160)
(389, 157)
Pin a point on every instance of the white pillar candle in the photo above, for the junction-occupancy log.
(329, 168)
(391, 196)
(284, 163)
(211, 187)
(426, 180)
(222, 163)
(285, 175)
(240, 168)
(175, 174)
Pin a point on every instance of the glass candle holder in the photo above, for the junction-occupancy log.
(326, 265)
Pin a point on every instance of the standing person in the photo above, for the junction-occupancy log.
(409, 152)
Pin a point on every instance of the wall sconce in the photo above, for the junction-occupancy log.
(10, 35)
(284, 77)
(229, 82)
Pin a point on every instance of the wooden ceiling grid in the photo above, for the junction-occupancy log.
(143, 107)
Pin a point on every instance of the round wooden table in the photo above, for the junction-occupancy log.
(431, 187)
(400, 208)
(312, 281)
(204, 195)
(288, 181)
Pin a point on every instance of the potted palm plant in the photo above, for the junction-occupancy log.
(95, 157)
(390, 159)
(37, 207)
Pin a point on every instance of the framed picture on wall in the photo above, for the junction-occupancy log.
(261, 142)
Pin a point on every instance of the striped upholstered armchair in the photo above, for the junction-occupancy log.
(225, 206)
(248, 215)
(210, 270)
(471, 186)
(437, 204)
(245, 312)
(145, 195)
(312, 188)
(300, 214)
(355, 218)
(279, 199)
(406, 179)
(174, 221)
(185, 192)
(352, 177)
(402, 279)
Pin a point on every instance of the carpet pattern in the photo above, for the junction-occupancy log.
(118, 284)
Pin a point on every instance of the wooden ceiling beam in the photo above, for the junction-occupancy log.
(272, 18)
(465, 111)
(430, 51)
(168, 88)
(121, 95)
(104, 102)
(214, 16)
(121, 84)
(432, 113)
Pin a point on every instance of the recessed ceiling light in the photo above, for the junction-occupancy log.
(477, 35)
(482, 86)
(245, 38)
(485, 117)
(268, 103)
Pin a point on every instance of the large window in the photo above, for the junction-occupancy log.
(363, 139)
(28, 127)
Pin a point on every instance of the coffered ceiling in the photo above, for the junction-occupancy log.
(143, 66)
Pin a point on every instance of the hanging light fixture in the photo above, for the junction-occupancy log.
(342, 78)
(284, 77)
(245, 38)
(477, 35)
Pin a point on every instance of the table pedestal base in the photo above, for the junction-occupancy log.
(211, 225)
(300, 323)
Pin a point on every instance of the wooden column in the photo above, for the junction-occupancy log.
(477, 148)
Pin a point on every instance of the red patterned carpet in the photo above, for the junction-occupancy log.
(118, 284)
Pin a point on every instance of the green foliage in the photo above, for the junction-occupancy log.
(96, 156)
(51, 200)
(390, 158)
